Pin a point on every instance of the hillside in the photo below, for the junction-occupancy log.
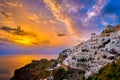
(94, 59)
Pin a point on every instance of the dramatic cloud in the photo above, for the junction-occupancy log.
(78, 16)
(61, 34)
(4, 40)
(59, 12)
(7, 15)
(32, 17)
(15, 31)
(95, 9)
(20, 36)
(11, 3)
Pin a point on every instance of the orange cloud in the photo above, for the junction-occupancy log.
(12, 3)
(33, 17)
(35, 30)
(58, 11)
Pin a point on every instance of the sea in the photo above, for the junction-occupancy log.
(8, 63)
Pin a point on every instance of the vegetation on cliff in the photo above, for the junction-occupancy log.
(109, 72)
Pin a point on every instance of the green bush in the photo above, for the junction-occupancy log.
(59, 74)
(109, 72)
(101, 70)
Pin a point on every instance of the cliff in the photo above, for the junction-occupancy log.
(109, 29)
(36, 70)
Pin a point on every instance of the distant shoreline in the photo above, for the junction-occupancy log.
(12, 62)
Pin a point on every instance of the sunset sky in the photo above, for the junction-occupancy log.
(49, 26)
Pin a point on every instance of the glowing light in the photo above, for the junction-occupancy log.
(24, 41)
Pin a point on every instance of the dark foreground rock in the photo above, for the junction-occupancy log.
(37, 70)
(33, 71)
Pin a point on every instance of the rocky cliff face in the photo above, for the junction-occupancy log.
(109, 29)
(36, 70)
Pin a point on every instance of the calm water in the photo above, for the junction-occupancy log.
(9, 63)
